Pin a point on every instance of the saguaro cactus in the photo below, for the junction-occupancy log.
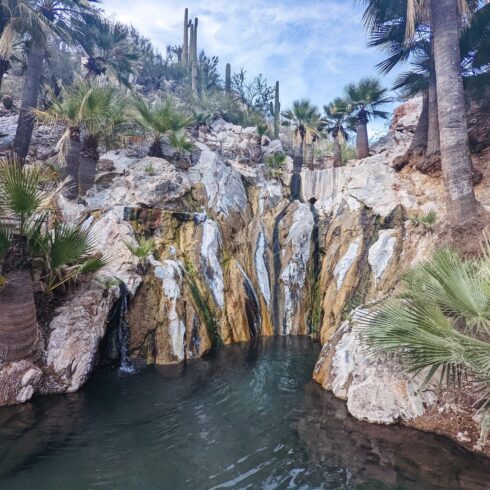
(193, 63)
(204, 79)
(194, 47)
(185, 46)
(228, 78)
(276, 112)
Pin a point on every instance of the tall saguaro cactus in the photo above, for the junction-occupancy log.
(185, 46)
(228, 78)
(194, 72)
(276, 111)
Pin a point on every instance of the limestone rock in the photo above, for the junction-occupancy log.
(19, 381)
(376, 388)
(224, 187)
(164, 322)
(76, 331)
(296, 254)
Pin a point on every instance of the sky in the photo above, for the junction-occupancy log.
(313, 47)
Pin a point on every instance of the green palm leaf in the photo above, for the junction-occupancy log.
(69, 245)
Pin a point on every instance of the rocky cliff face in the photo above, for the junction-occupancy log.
(237, 259)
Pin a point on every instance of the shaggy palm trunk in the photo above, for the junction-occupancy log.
(337, 153)
(457, 169)
(156, 149)
(32, 82)
(72, 162)
(295, 185)
(89, 156)
(433, 139)
(18, 323)
(4, 68)
(362, 143)
(310, 156)
(419, 141)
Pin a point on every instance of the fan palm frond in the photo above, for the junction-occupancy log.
(5, 233)
(143, 248)
(160, 117)
(69, 245)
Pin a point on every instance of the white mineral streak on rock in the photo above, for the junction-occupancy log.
(210, 261)
(375, 387)
(171, 275)
(381, 252)
(293, 276)
(271, 194)
(345, 263)
(224, 186)
(261, 268)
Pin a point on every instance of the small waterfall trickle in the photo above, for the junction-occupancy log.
(114, 352)
(125, 365)
(315, 310)
(252, 306)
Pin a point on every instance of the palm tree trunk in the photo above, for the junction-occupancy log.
(88, 163)
(156, 149)
(19, 332)
(295, 186)
(419, 141)
(30, 95)
(337, 153)
(457, 168)
(362, 143)
(72, 160)
(310, 156)
(433, 139)
(4, 68)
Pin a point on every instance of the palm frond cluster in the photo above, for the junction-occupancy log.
(26, 210)
(440, 324)
(342, 117)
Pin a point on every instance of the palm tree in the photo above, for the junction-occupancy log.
(37, 22)
(94, 108)
(304, 118)
(365, 97)
(67, 109)
(160, 118)
(20, 200)
(445, 20)
(109, 48)
(103, 110)
(457, 167)
(66, 253)
(338, 121)
(387, 23)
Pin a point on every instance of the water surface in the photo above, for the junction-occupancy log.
(247, 417)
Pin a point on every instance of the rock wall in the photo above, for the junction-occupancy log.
(236, 259)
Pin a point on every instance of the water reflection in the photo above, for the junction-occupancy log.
(247, 417)
(390, 455)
